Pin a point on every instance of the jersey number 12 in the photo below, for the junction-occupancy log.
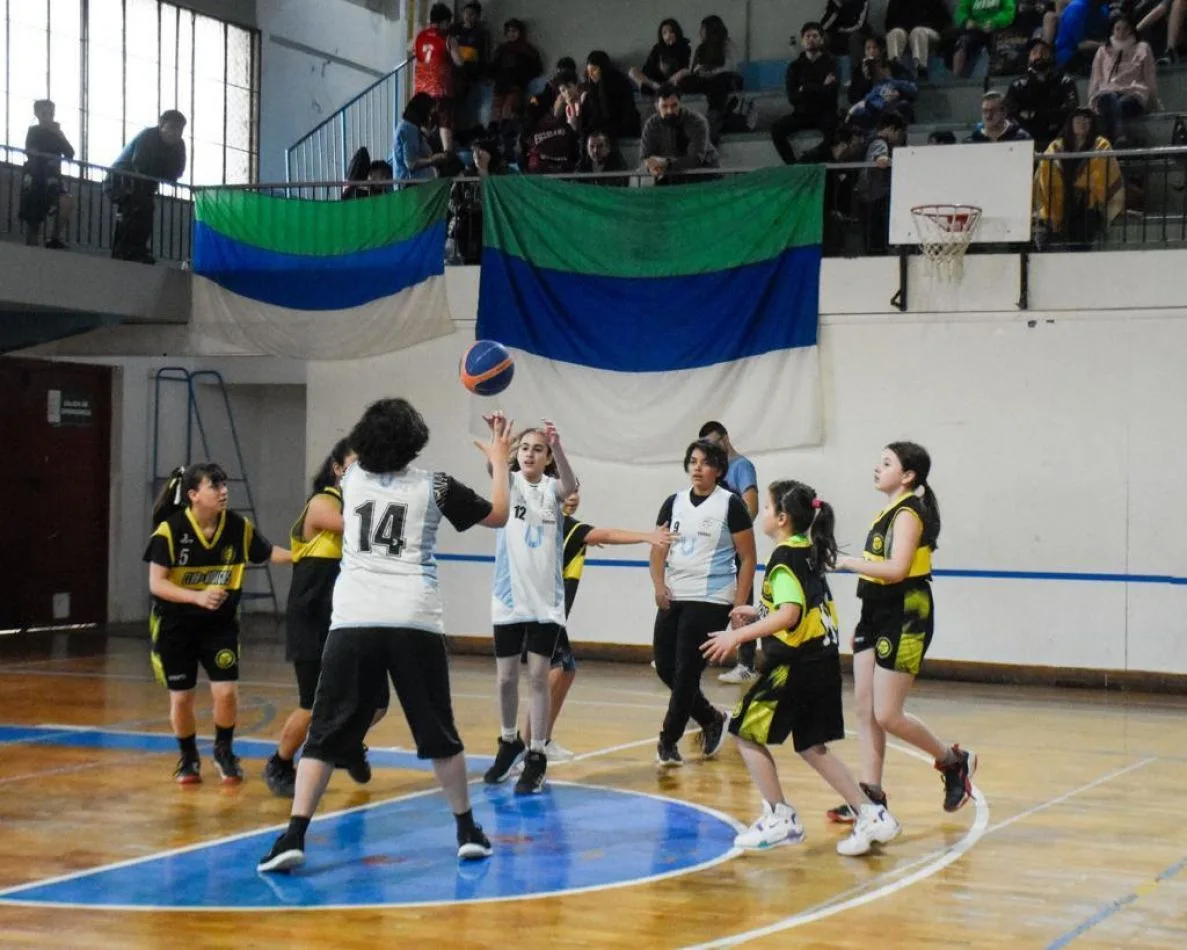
(389, 532)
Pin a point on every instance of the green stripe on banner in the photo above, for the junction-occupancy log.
(654, 232)
(322, 228)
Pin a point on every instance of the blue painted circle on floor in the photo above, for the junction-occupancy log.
(404, 852)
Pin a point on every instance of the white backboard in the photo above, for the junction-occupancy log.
(995, 176)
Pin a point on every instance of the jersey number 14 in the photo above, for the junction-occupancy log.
(389, 532)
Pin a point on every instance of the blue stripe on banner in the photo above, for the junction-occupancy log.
(303, 282)
(1165, 579)
(641, 325)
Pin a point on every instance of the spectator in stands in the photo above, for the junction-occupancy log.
(978, 20)
(995, 124)
(714, 74)
(437, 56)
(675, 140)
(515, 64)
(670, 59)
(1123, 84)
(845, 28)
(1076, 198)
(1008, 56)
(610, 98)
(812, 86)
(42, 195)
(861, 82)
(600, 156)
(414, 156)
(887, 94)
(1083, 26)
(157, 153)
(473, 46)
(554, 146)
(916, 28)
(942, 137)
(1042, 100)
(1160, 22)
(541, 104)
(872, 190)
(377, 175)
(846, 144)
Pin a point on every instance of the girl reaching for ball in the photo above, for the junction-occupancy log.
(799, 690)
(528, 598)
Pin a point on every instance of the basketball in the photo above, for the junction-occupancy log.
(486, 368)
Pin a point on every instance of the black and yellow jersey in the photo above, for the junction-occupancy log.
(316, 562)
(573, 558)
(880, 542)
(195, 562)
(791, 577)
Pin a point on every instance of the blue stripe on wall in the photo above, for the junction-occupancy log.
(641, 325)
(952, 572)
(304, 282)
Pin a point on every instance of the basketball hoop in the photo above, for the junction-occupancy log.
(944, 235)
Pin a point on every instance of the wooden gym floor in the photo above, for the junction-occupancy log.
(1075, 841)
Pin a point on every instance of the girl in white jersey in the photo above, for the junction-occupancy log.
(697, 584)
(387, 615)
(528, 602)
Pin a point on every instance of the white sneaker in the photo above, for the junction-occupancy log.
(775, 826)
(874, 825)
(739, 674)
(557, 752)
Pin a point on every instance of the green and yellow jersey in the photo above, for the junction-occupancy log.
(791, 578)
(880, 543)
(196, 562)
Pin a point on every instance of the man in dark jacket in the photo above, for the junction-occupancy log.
(157, 154)
(995, 124)
(812, 86)
(1041, 100)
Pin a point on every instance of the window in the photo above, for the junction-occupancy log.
(133, 60)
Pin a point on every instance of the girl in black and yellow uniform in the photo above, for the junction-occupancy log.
(197, 557)
(316, 539)
(578, 537)
(896, 625)
(798, 692)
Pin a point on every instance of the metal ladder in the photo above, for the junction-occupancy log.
(236, 479)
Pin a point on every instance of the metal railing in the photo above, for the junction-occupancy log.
(369, 119)
(92, 221)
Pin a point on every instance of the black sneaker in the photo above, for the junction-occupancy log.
(360, 769)
(531, 781)
(188, 771)
(958, 779)
(713, 736)
(287, 853)
(228, 765)
(667, 755)
(843, 814)
(280, 776)
(508, 754)
(473, 844)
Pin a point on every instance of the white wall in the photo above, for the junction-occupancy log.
(298, 87)
(1053, 433)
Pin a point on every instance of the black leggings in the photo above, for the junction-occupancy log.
(679, 632)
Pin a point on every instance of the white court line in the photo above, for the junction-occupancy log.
(67, 769)
(943, 858)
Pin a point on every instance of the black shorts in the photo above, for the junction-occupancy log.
(516, 639)
(177, 653)
(562, 654)
(353, 687)
(305, 633)
(800, 699)
(898, 628)
(308, 672)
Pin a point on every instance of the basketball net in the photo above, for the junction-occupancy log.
(944, 235)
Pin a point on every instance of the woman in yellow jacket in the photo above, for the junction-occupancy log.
(1076, 198)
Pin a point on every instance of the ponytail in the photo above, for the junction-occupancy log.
(809, 516)
(171, 499)
(914, 458)
(326, 477)
(931, 520)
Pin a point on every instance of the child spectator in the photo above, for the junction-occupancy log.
(553, 147)
(669, 60)
(437, 55)
(42, 195)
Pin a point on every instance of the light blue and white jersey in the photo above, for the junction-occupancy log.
(701, 566)
(528, 581)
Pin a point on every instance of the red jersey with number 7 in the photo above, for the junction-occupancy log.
(434, 64)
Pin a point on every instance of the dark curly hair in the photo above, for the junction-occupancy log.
(389, 436)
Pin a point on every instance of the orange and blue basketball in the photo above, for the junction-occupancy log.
(486, 368)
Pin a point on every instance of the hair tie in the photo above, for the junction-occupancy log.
(816, 502)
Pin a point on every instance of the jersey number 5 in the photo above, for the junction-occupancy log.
(389, 532)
